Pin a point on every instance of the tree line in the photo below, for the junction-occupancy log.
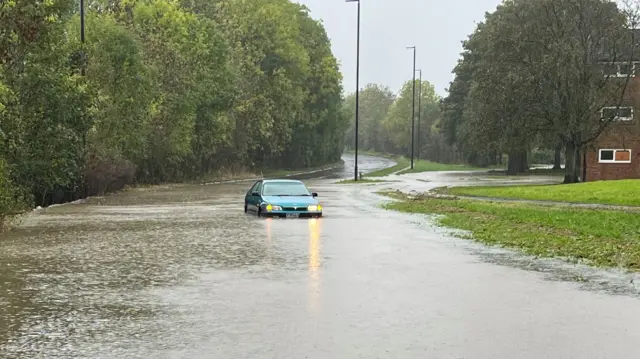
(161, 90)
(538, 82)
(539, 74)
(385, 122)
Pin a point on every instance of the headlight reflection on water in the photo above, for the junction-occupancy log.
(314, 263)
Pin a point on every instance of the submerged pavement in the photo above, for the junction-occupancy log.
(182, 272)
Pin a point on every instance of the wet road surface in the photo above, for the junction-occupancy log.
(182, 272)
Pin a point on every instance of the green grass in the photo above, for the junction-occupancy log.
(372, 153)
(401, 163)
(419, 165)
(604, 238)
(363, 180)
(533, 172)
(621, 192)
(428, 166)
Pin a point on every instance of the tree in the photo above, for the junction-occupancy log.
(161, 90)
(456, 109)
(375, 101)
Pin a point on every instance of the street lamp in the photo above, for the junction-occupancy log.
(355, 169)
(419, 114)
(413, 102)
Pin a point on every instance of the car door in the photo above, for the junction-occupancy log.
(253, 201)
(257, 199)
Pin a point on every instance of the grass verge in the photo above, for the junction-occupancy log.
(372, 153)
(401, 163)
(621, 192)
(363, 180)
(604, 238)
(428, 166)
(531, 172)
(418, 165)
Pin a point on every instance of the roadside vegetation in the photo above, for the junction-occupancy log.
(606, 238)
(161, 91)
(621, 192)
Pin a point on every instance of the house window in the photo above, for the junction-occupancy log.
(616, 113)
(621, 69)
(614, 156)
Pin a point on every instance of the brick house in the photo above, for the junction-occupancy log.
(616, 152)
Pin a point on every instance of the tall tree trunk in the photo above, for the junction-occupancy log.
(517, 162)
(557, 159)
(572, 163)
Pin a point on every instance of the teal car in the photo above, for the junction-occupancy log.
(282, 198)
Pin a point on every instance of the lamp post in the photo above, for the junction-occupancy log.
(355, 169)
(413, 102)
(82, 21)
(419, 114)
(82, 32)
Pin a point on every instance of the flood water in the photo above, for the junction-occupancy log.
(182, 272)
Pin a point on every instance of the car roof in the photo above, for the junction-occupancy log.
(281, 180)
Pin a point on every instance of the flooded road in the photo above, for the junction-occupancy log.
(182, 272)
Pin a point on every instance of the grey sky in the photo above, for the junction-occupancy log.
(435, 27)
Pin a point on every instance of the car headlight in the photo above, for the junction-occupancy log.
(273, 208)
(314, 208)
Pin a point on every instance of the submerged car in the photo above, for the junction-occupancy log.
(282, 198)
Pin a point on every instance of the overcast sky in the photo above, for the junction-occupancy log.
(435, 27)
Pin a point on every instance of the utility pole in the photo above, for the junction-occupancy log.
(419, 114)
(413, 103)
(355, 169)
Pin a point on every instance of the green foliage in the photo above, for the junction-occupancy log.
(385, 122)
(10, 198)
(161, 90)
(375, 102)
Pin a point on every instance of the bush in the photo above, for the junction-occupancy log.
(108, 175)
(10, 198)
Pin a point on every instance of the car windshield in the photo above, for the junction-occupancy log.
(284, 189)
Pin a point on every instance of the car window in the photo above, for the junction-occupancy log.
(285, 189)
(255, 187)
(258, 187)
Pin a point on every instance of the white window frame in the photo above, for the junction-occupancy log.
(634, 66)
(617, 118)
(600, 160)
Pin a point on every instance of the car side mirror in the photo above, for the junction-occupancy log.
(314, 194)
(255, 194)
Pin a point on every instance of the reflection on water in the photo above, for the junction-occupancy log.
(314, 263)
(269, 224)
